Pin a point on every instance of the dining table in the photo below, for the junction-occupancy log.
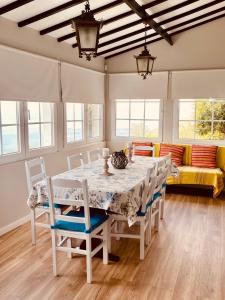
(120, 193)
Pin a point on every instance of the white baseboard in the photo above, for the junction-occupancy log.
(13, 225)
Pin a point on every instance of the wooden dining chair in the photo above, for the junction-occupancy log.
(83, 224)
(76, 160)
(35, 172)
(143, 218)
(94, 155)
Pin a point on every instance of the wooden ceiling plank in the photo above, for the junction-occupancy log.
(147, 19)
(13, 5)
(49, 12)
(172, 34)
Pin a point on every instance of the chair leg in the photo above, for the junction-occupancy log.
(69, 245)
(147, 232)
(106, 237)
(33, 227)
(109, 234)
(142, 240)
(157, 215)
(162, 206)
(88, 259)
(150, 225)
(117, 229)
(54, 254)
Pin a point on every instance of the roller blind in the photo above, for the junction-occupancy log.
(28, 77)
(198, 84)
(82, 85)
(124, 86)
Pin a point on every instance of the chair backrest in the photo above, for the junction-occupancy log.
(149, 185)
(95, 154)
(35, 171)
(137, 149)
(59, 189)
(76, 160)
(163, 169)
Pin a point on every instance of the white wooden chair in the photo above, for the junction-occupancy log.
(35, 172)
(83, 224)
(76, 160)
(143, 148)
(94, 155)
(143, 217)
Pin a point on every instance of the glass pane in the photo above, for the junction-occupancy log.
(70, 132)
(151, 129)
(70, 111)
(34, 136)
(203, 110)
(186, 130)
(8, 112)
(9, 139)
(219, 110)
(152, 110)
(203, 130)
(46, 112)
(122, 110)
(33, 112)
(78, 131)
(88, 35)
(137, 128)
(78, 111)
(137, 110)
(96, 111)
(46, 135)
(187, 111)
(122, 128)
(219, 130)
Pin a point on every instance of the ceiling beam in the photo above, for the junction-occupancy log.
(68, 21)
(13, 5)
(140, 11)
(49, 12)
(162, 23)
(172, 34)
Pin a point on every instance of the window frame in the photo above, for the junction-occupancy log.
(43, 150)
(101, 121)
(176, 121)
(127, 138)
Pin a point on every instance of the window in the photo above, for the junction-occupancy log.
(9, 128)
(40, 125)
(202, 119)
(74, 122)
(94, 120)
(138, 118)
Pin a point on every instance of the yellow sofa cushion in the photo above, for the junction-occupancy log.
(202, 176)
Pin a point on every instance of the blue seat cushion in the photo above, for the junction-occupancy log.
(155, 196)
(46, 204)
(164, 185)
(97, 217)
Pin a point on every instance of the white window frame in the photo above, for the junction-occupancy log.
(128, 138)
(74, 144)
(101, 122)
(12, 157)
(176, 120)
(42, 150)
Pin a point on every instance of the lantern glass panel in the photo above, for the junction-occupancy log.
(88, 36)
(143, 64)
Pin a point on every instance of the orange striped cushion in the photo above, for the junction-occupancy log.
(204, 156)
(176, 152)
(143, 152)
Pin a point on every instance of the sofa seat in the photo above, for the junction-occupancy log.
(201, 176)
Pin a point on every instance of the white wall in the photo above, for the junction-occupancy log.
(198, 48)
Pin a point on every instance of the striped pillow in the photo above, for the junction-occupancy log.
(176, 152)
(143, 152)
(204, 156)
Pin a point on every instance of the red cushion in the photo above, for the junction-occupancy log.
(143, 152)
(204, 156)
(176, 152)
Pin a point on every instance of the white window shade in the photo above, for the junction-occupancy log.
(82, 85)
(198, 84)
(28, 77)
(131, 86)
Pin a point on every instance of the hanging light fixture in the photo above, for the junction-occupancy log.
(145, 60)
(87, 33)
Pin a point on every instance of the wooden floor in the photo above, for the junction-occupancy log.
(186, 260)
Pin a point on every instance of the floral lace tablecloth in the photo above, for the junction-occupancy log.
(120, 193)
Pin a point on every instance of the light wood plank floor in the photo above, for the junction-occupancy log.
(186, 260)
